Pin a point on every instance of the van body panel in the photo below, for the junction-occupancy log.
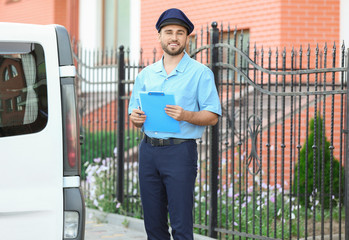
(31, 165)
(20, 226)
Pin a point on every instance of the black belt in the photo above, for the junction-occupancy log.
(159, 142)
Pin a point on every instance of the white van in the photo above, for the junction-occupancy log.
(40, 196)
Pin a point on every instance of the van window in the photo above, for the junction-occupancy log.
(23, 89)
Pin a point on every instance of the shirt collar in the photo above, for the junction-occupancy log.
(159, 66)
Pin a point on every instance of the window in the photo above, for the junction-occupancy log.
(115, 23)
(9, 105)
(14, 71)
(23, 89)
(240, 41)
(6, 75)
(19, 104)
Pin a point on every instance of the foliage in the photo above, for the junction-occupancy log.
(102, 144)
(310, 186)
(101, 191)
(264, 211)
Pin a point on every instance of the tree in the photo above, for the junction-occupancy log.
(323, 165)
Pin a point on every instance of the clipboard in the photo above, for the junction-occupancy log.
(153, 104)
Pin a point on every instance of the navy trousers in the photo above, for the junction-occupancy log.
(167, 178)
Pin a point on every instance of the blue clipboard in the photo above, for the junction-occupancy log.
(153, 105)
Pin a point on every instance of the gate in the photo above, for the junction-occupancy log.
(274, 166)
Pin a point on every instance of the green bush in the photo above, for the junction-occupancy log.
(103, 144)
(315, 194)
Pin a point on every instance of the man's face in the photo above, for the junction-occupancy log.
(173, 39)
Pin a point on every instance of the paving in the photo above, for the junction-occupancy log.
(101, 226)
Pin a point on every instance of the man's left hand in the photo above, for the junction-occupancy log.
(175, 112)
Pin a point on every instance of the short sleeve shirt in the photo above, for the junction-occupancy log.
(193, 86)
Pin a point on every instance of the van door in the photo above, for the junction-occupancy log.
(39, 165)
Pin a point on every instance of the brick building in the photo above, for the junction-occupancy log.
(62, 12)
(271, 23)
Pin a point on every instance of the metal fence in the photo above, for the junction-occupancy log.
(274, 166)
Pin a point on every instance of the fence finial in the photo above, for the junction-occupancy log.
(214, 24)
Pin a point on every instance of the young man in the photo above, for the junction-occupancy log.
(168, 161)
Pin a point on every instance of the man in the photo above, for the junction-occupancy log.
(168, 161)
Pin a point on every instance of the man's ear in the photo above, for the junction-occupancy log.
(159, 37)
(187, 41)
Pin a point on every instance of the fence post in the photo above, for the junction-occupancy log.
(214, 139)
(121, 125)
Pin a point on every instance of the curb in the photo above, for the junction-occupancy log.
(132, 223)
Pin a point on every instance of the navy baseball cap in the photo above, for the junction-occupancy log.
(176, 17)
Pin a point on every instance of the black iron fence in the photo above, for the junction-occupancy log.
(274, 167)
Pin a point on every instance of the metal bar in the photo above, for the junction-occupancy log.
(261, 149)
(214, 140)
(245, 118)
(254, 143)
(276, 145)
(198, 214)
(206, 148)
(250, 82)
(126, 136)
(283, 146)
(306, 149)
(315, 146)
(240, 146)
(341, 141)
(226, 140)
(268, 146)
(323, 140)
(291, 144)
(232, 137)
(220, 129)
(347, 155)
(297, 72)
(90, 120)
(115, 137)
(332, 138)
(121, 125)
(299, 140)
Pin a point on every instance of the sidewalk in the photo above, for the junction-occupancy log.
(100, 226)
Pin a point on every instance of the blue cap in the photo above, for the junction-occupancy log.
(176, 17)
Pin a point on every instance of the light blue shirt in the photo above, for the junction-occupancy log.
(192, 84)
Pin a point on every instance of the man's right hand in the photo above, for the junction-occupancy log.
(138, 117)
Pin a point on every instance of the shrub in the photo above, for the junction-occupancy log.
(100, 193)
(323, 165)
(103, 144)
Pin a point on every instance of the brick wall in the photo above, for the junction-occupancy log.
(63, 12)
(315, 21)
(271, 23)
(27, 11)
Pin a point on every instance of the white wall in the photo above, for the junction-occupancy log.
(135, 38)
(344, 22)
(90, 29)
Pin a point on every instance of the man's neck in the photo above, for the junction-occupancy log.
(171, 62)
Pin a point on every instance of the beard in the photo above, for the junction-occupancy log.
(167, 49)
